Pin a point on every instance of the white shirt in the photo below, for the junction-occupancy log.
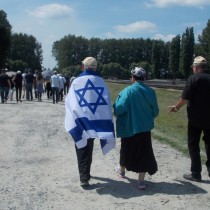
(62, 81)
(55, 81)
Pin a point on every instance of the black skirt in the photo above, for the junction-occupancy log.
(136, 153)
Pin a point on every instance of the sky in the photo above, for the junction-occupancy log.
(49, 21)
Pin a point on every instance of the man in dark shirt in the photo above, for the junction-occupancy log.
(30, 81)
(66, 84)
(4, 86)
(197, 96)
(17, 80)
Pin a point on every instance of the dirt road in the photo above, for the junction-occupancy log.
(38, 169)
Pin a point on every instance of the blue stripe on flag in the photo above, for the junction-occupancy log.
(84, 123)
(103, 142)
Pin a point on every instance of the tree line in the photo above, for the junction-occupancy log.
(18, 51)
(116, 57)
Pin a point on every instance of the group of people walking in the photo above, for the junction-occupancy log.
(30, 86)
(9, 84)
(89, 116)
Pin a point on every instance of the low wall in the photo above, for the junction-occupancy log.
(167, 84)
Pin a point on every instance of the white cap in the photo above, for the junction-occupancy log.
(199, 60)
(90, 63)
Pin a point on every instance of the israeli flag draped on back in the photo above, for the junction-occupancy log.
(88, 111)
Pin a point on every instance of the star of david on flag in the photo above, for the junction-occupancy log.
(89, 112)
(99, 96)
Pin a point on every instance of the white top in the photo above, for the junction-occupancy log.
(55, 81)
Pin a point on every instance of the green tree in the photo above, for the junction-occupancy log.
(94, 47)
(157, 62)
(174, 57)
(70, 50)
(25, 50)
(17, 65)
(5, 36)
(187, 52)
(204, 42)
(74, 70)
(112, 70)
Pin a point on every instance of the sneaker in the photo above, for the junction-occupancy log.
(120, 173)
(84, 183)
(208, 169)
(142, 185)
(191, 177)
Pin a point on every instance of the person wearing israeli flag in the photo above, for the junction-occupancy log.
(89, 116)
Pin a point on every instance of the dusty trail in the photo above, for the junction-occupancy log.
(38, 169)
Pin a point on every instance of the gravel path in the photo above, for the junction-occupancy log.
(38, 169)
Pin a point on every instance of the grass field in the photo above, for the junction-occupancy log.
(169, 128)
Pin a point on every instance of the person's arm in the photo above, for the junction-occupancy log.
(9, 83)
(119, 105)
(59, 83)
(34, 82)
(13, 80)
(178, 105)
(155, 107)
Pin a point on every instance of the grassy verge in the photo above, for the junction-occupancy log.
(169, 128)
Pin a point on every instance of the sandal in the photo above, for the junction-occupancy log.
(142, 185)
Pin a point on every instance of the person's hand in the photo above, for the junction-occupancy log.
(173, 108)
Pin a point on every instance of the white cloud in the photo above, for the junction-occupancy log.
(110, 35)
(192, 24)
(165, 38)
(50, 38)
(136, 27)
(166, 3)
(52, 11)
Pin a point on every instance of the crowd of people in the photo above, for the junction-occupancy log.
(89, 115)
(32, 86)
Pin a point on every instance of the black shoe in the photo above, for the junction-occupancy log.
(84, 183)
(208, 169)
(191, 177)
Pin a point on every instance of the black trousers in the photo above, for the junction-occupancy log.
(194, 136)
(18, 92)
(84, 159)
(55, 94)
(61, 94)
(66, 88)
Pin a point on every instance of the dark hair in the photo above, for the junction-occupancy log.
(39, 77)
(138, 78)
(202, 66)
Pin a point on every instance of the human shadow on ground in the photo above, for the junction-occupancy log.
(126, 190)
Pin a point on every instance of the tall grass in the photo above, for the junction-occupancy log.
(169, 128)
